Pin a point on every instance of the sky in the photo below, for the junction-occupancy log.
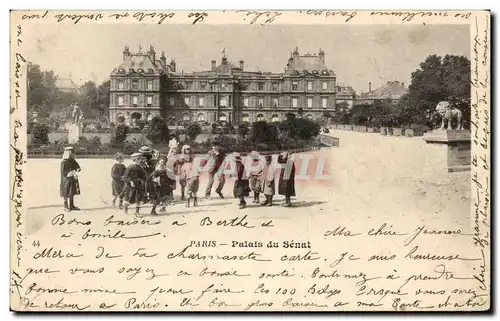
(358, 54)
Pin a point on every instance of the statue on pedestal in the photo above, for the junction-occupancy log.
(449, 113)
(76, 116)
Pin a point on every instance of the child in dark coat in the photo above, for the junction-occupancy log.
(117, 184)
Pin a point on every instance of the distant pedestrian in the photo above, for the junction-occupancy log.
(286, 184)
(268, 185)
(241, 184)
(217, 157)
(69, 186)
(255, 175)
(192, 177)
(117, 183)
(135, 180)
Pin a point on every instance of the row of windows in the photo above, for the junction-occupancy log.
(135, 101)
(275, 86)
(244, 117)
(225, 101)
(135, 84)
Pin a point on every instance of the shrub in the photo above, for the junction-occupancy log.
(120, 133)
(193, 130)
(40, 134)
(157, 131)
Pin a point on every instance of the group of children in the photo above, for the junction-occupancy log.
(151, 178)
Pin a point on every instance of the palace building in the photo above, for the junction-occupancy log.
(145, 85)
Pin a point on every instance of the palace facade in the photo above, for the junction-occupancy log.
(145, 85)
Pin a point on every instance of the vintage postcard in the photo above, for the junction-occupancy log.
(313, 160)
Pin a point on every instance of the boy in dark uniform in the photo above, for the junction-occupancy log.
(135, 179)
(149, 164)
(241, 185)
(69, 186)
(118, 184)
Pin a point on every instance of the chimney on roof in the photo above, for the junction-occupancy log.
(163, 59)
(172, 65)
(403, 84)
(242, 64)
(295, 53)
(152, 53)
(370, 87)
(213, 65)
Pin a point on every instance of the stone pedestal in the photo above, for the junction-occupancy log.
(74, 133)
(448, 150)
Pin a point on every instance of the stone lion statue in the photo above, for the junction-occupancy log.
(449, 113)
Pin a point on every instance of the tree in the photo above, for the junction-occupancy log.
(306, 129)
(193, 130)
(120, 133)
(436, 80)
(157, 131)
(89, 99)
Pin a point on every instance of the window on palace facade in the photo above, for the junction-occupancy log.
(150, 101)
(203, 85)
(135, 83)
(261, 102)
(276, 86)
(120, 101)
(309, 116)
(275, 102)
(134, 101)
(309, 102)
(245, 102)
(295, 85)
(201, 117)
(260, 117)
(323, 102)
(201, 102)
(223, 101)
(261, 86)
(325, 85)
(245, 117)
(222, 117)
(150, 85)
(186, 117)
(189, 85)
(295, 102)
(121, 84)
(275, 118)
(309, 85)
(245, 86)
(186, 101)
(172, 101)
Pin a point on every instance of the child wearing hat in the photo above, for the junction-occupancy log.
(69, 186)
(255, 175)
(161, 184)
(135, 180)
(241, 184)
(268, 185)
(190, 173)
(117, 183)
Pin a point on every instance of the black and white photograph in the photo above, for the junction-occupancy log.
(247, 160)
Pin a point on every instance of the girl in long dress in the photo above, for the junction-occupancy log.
(286, 185)
(117, 183)
(69, 186)
(135, 180)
